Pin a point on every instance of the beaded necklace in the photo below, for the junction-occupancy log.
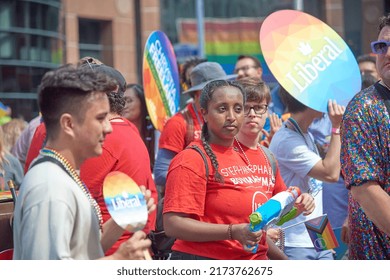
(73, 174)
(242, 151)
(271, 177)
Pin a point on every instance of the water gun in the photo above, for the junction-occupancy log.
(277, 210)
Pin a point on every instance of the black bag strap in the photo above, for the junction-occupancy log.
(385, 95)
(189, 125)
(46, 158)
(159, 226)
(196, 148)
(271, 158)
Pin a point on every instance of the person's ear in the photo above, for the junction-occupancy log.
(67, 124)
(260, 71)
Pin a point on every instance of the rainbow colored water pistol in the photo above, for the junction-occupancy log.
(276, 211)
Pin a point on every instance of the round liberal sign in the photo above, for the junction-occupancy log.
(309, 59)
(125, 201)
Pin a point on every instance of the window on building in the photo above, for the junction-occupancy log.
(95, 39)
(6, 45)
(30, 45)
(5, 14)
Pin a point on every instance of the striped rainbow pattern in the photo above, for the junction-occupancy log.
(226, 39)
(321, 233)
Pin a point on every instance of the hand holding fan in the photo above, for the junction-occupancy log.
(125, 202)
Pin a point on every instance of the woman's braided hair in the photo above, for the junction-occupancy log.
(205, 97)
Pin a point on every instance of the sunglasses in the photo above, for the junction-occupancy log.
(380, 47)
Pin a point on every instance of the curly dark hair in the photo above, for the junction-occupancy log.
(65, 90)
(190, 62)
(117, 101)
(383, 21)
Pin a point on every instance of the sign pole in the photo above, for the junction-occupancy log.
(200, 26)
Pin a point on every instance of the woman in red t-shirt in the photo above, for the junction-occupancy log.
(209, 216)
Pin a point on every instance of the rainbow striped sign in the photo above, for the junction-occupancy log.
(160, 79)
(321, 233)
(309, 59)
(125, 201)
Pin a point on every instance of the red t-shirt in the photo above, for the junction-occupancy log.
(123, 150)
(36, 145)
(260, 161)
(173, 136)
(231, 202)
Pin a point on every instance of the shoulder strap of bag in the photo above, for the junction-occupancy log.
(189, 125)
(271, 158)
(45, 158)
(196, 148)
(159, 226)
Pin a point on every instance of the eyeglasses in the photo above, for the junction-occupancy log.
(259, 109)
(380, 47)
(244, 68)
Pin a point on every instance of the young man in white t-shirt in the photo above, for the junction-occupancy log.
(301, 165)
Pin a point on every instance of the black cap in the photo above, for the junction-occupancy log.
(109, 71)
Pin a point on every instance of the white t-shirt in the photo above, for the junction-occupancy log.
(296, 159)
(53, 218)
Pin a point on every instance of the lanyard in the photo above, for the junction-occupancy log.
(314, 185)
(292, 124)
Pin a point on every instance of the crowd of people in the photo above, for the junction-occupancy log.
(234, 145)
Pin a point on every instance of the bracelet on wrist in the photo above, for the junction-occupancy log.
(230, 235)
(336, 130)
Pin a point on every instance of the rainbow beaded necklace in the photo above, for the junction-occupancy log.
(64, 163)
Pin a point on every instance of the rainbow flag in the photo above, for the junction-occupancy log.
(226, 39)
(321, 233)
